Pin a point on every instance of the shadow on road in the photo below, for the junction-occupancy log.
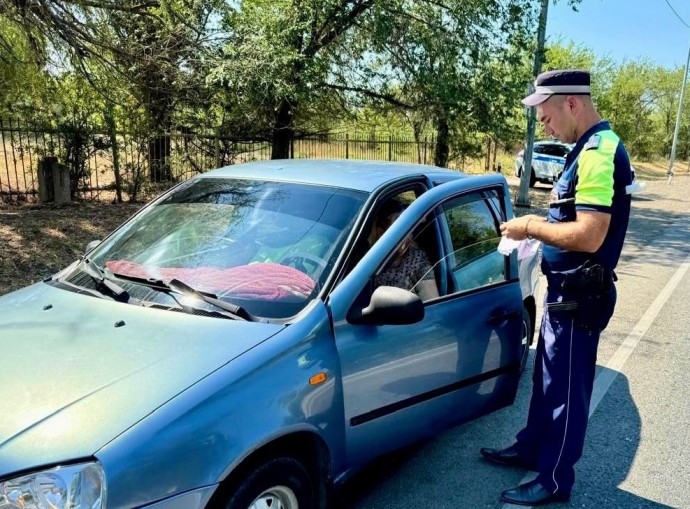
(447, 472)
(613, 438)
(661, 233)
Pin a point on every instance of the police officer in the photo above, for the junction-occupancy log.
(583, 237)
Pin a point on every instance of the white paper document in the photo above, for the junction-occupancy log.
(526, 247)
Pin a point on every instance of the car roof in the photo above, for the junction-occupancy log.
(358, 175)
(550, 142)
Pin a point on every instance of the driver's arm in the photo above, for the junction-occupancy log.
(427, 289)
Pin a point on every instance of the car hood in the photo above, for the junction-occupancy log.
(78, 370)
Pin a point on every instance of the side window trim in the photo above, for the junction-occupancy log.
(493, 199)
(349, 257)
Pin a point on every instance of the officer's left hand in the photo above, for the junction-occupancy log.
(516, 229)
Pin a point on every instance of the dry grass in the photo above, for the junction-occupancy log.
(39, 240)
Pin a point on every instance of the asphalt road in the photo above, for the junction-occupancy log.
(637, 453)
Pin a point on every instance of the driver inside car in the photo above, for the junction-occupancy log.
(410, 269)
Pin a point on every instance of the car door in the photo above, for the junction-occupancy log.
(556, 159)
(403, 382)
(539, 162)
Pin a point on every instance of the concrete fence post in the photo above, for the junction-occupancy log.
(53, 181)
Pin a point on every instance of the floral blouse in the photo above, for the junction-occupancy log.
(407, 271)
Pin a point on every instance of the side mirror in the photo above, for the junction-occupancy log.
(91, 246)
(390, 306)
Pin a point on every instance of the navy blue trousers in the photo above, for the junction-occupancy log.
(563, 378)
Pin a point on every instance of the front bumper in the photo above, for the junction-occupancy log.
(196, 499)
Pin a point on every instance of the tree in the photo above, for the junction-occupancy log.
(164, 55)
(451, 62)
(664, 90)
(69, 27)
(23, 87)
(277, 58)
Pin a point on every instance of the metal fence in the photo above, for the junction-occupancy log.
(108, 165)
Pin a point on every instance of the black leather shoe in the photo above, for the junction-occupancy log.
(532, 494)
(508, 457)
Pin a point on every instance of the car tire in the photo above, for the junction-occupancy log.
(280, 483)
(526, 337)
(532, 178)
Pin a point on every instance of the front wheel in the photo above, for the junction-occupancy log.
(280, 483)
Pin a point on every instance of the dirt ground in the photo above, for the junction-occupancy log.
(39, 240)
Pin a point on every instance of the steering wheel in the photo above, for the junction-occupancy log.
(305, 262)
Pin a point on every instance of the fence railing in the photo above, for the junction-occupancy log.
(105, 165)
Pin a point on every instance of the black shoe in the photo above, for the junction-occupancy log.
(533, 493)
(508, 457)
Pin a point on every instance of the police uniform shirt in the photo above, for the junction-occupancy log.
(596, 173)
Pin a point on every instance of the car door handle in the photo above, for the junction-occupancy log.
(501, 316)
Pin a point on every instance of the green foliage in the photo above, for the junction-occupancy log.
(23, 86)
(274, 70)
(639, 98)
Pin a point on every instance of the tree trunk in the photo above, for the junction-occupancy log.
(159, 158)
(283, 132)
(487, 159)
(442, 151)
(417, 130)
(112, 131)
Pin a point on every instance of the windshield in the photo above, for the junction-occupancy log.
(265, 246)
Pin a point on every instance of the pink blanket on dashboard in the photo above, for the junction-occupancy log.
(264, 281)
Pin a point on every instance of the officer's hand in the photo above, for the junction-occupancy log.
(516, 229)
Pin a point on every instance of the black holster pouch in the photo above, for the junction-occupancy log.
(589, 276)
(588, 293)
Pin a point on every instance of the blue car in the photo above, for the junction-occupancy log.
(229, 346)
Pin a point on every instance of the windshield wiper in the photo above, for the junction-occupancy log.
(184, 289)
(103, 284)
(178, 287)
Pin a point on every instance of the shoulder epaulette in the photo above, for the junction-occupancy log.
(592, 142)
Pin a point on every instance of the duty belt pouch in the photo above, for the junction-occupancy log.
(589, 277)
(589, 311)
(587, 293)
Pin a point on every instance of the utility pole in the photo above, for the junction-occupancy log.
(522, 199)
(680, 111)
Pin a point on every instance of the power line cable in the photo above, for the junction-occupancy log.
(677, 15)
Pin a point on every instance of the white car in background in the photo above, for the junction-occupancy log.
(548, 161)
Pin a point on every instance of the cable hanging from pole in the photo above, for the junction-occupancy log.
(677, 15)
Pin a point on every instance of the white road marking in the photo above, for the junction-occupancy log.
(603, 381)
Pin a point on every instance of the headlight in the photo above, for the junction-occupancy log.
(71, 487)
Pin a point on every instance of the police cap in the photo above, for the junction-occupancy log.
(561, 82)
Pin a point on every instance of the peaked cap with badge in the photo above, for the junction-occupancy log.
(561, 82)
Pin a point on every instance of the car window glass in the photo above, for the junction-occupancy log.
(558, 150)
(473, 224)
(266, 246)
